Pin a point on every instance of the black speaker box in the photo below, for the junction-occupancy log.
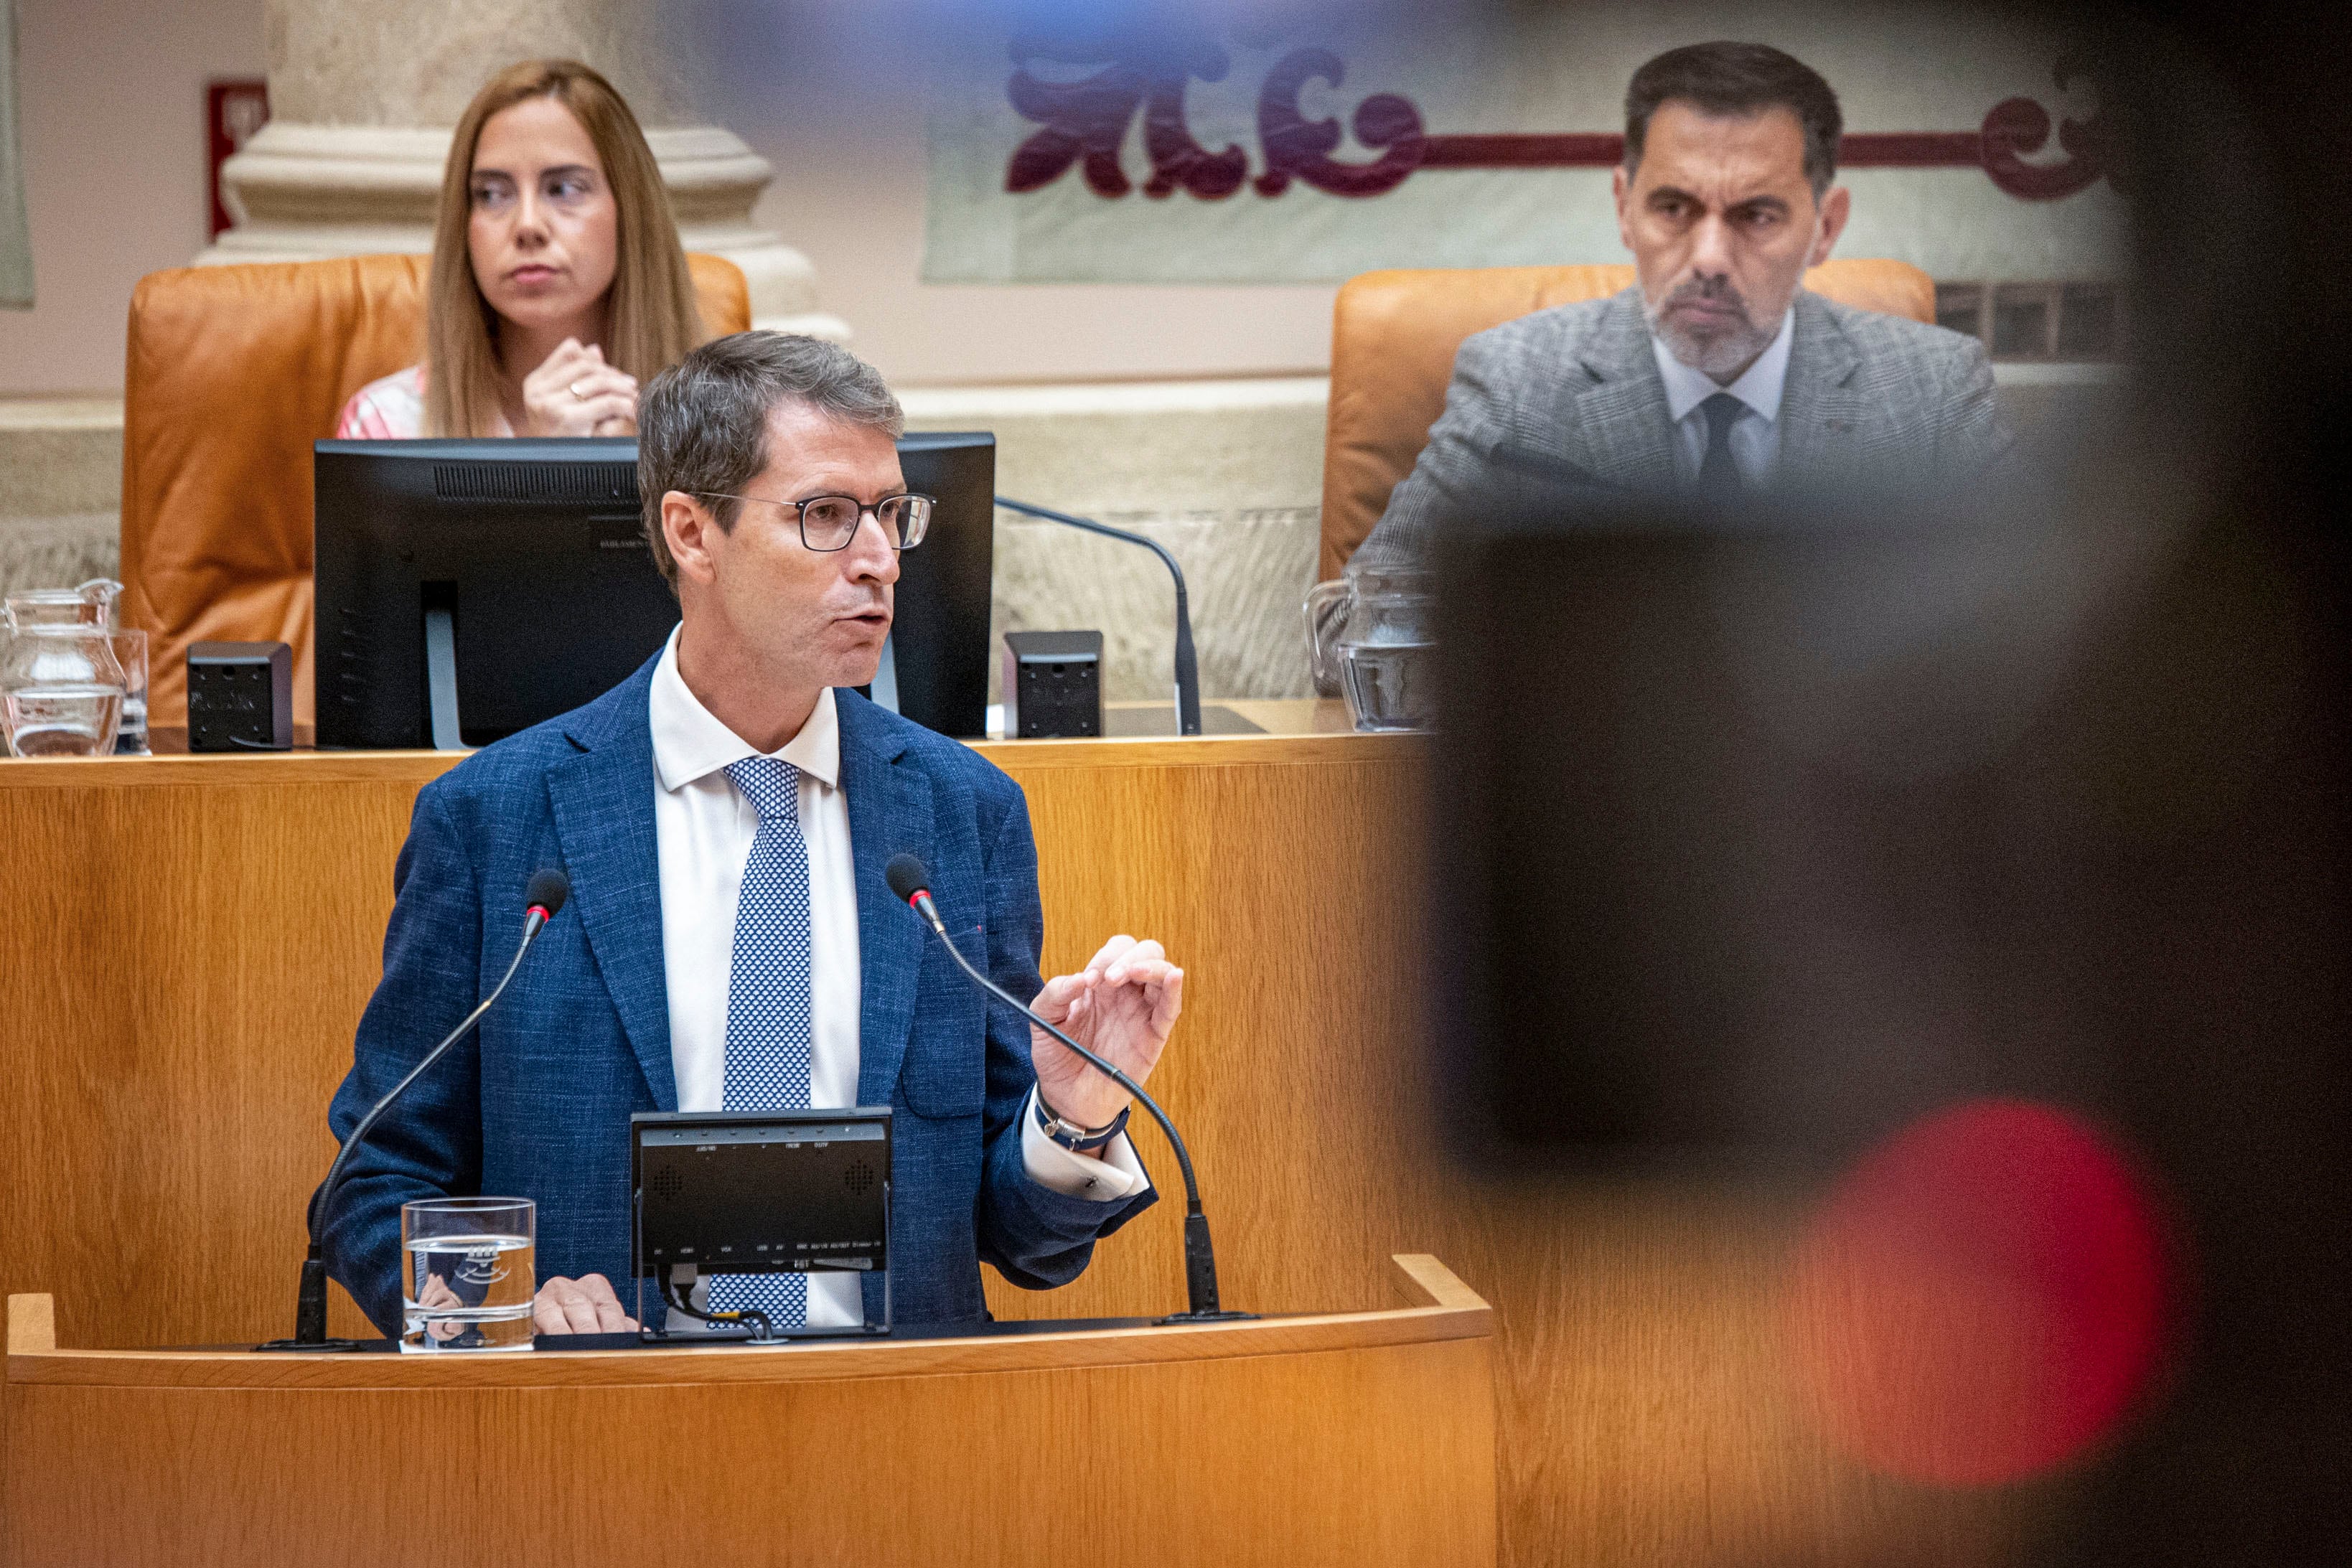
(1052, 685)
(240, 696)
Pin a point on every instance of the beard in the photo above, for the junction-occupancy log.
(1719, 348)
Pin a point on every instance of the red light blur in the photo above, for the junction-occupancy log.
(1983, 1299)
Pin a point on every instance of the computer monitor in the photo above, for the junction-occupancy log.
(468, 590)
(938, 635)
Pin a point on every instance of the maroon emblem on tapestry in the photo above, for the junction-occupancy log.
(1088, 120)
(1297, 147)
(2020, 125)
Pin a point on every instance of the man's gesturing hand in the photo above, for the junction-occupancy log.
(1120, 1007)
(586, 1305)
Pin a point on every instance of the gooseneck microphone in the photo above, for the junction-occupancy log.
(543, 897)
(911, 879)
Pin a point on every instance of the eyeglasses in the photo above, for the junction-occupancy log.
(830, 522)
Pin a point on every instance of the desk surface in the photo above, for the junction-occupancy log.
(1272, 715)
(1438, 1307)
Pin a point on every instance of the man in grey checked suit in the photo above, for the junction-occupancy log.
(1718, 371)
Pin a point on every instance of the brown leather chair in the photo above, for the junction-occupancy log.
(231, 372)
(1393, 336)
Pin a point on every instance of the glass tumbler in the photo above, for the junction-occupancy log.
(469, 1273)
(131, 653)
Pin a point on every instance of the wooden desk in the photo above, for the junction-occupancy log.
(1362, 1438)
(186, 943)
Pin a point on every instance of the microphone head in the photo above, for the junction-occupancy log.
(907, 876)
(548, 890)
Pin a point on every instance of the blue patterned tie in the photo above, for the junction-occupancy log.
(768, 1000)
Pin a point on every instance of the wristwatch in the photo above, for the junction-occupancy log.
(1072, 1137)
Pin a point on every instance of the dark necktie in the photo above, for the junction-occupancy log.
(1718, 476)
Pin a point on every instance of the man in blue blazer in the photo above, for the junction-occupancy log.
(724, 816)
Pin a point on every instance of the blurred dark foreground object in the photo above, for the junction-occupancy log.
(2072, 835)
(1768, 844)
(1762, 836)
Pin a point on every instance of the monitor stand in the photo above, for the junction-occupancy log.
(441, 676)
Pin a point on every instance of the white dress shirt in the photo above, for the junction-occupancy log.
(704, 828)
(1756, 433)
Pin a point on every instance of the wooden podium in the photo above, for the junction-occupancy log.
(1360, 1438)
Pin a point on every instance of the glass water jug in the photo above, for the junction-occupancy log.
(61, 688)
(1369, 635)
(91, 604)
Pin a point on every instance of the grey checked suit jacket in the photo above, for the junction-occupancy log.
(1573, 393)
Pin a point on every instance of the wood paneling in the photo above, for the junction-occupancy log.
(185, 945)
(1348, 1440)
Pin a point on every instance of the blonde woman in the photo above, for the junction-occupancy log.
(558, 283)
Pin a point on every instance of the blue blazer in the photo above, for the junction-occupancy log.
(536, 1102)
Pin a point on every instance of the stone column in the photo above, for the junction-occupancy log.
(363, 95)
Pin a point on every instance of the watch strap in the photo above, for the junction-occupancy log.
(1070, 1135)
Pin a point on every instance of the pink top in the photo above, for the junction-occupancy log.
(391, 408)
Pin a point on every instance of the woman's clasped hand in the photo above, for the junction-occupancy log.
(575, 392)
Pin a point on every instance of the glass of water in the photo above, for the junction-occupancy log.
(131, 653)
(469, 1273)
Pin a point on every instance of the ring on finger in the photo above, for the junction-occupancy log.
(577, 396)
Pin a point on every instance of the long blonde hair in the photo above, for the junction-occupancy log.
(650, 320)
